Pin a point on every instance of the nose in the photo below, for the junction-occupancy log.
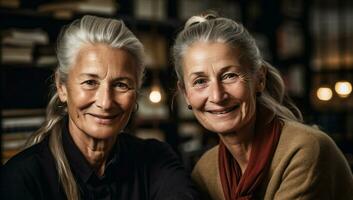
(217, 92)
(104, 99)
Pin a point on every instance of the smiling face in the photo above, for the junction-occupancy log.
(221, 91)
(100, 91)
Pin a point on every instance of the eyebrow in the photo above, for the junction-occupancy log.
(221, 70)
(96, 76)
(89, 74)
(230, 66)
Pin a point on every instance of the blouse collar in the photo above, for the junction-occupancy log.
(78, 163)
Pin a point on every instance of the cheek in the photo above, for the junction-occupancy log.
(245, 90)
(126, 101)
(196, 98)
(79, 97)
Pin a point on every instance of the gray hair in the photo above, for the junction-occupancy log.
(211, 28)
(93, 30)
(87, 30)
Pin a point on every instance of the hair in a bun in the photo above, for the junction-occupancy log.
(200, 18)
(209, 27)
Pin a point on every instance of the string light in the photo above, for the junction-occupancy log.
(155, 95)
(324, 93)
(343, 88)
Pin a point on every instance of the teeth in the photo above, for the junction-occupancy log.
(225, 111)
(220, 112)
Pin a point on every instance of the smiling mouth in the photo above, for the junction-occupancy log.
(224, 111)
(106, 117)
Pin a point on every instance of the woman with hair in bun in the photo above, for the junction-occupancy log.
(82, 151)
(265, 151)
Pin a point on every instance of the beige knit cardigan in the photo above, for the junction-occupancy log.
(307, 164)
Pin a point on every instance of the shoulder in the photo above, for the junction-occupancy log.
(312, 149)
(23, 169)
(25, 161)
(298, 135)
(307, 162)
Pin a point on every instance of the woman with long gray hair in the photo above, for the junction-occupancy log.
(81, 151)
(265, 151)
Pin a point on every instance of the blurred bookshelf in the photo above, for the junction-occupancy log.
(310, 42)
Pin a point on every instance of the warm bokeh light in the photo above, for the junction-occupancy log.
(324, 93)
(155, 96)
(343, 88)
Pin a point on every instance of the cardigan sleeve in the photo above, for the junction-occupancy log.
(316, 169)
(168, 178)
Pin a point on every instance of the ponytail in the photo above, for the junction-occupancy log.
(55, 113)
(274, 96)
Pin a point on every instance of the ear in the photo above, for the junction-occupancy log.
(61, 88)
(261, 79)
(181, 88)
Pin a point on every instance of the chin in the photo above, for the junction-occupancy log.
(222, 128)
(223, 131)
(104, 133)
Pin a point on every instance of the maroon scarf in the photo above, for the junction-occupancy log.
(242, 187)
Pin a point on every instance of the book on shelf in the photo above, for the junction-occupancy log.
(17, 126)
(16, 54)
(150, 9)
(24, 37)
(10, 3)
(22, 112)
(68, 8)
(14, 140)
(17, 45)
(21, 122)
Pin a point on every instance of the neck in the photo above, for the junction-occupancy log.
(96, 151)
(239, 143)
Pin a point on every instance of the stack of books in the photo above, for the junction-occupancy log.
(17, 44)
(17, 126)
(67, 9)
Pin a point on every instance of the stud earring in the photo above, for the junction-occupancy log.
(189, 107)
